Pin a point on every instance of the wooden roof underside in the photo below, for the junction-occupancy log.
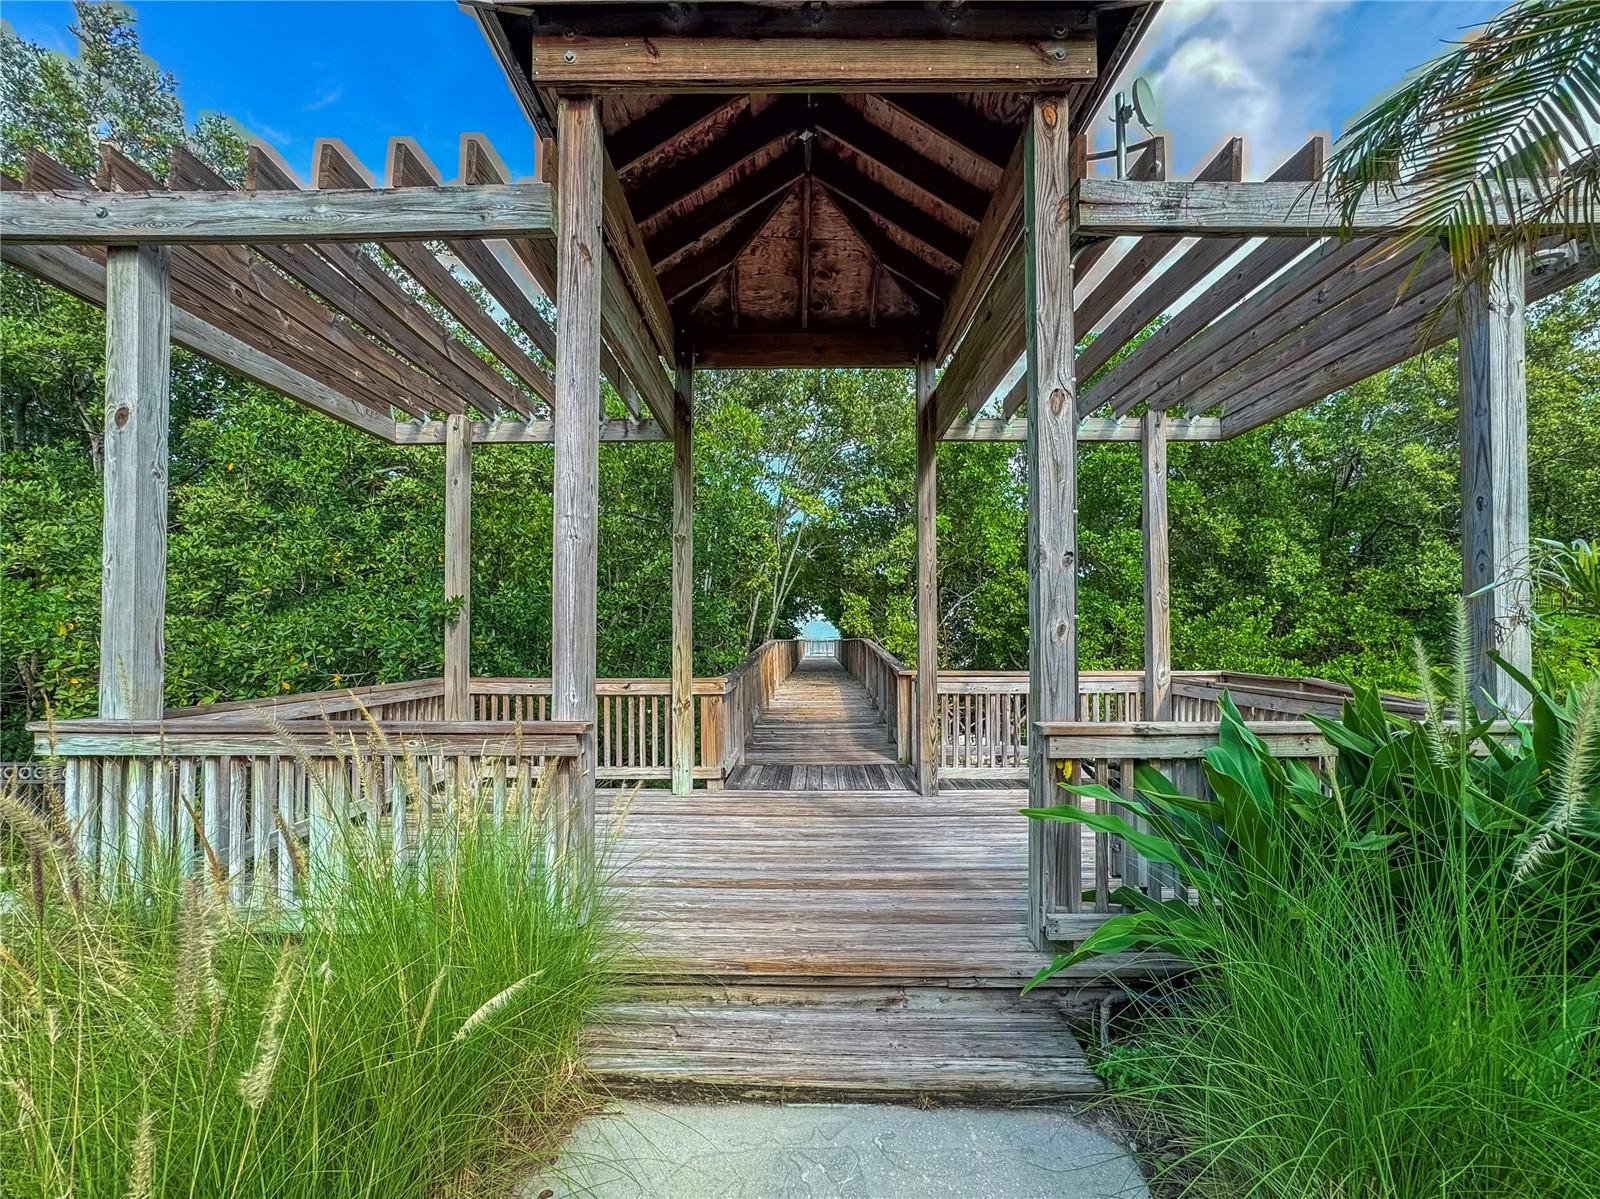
(810, 227)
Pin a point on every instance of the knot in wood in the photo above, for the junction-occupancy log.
(1060, 397)
(1049, 113)
(121, 417)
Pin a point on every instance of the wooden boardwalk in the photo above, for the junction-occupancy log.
(821, 732)
(853, 941)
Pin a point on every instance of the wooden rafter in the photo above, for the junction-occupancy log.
(1366, 350)
(359, 287)
(336, 167)
(889, 206)
(747, 193)
(780, 121)
(669, 120)
(697, 272)
(896, 259)
(224, 286)
(79, 275)
(1197, 263)
(482, 167)
(949, 118)
(849, 128)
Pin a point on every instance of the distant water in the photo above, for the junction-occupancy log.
(819, 628)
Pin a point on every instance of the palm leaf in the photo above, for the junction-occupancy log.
(1505, 122)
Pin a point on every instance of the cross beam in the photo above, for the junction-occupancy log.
(240, 218)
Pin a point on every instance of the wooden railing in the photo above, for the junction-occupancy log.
(819, 647)
(891, 684)
(255, 800)
(746, 692)
(1078, 869)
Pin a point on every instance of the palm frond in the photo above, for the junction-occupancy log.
(1503, 125)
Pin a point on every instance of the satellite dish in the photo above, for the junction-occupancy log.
(1146, 104)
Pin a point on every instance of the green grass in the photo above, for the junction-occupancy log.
(1350, 1052)
(412, 1030)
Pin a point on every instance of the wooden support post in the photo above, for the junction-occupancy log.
(1052, 488)
(1157, 577)
(927, 705)
(579, 255)
(458, 567)
(1494, 479)
(133, 599)
(683, 582)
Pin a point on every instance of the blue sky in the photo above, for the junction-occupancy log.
(1272, 70)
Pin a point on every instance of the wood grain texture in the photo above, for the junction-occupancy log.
(580, 253)
(1157, 572)
(524, 432)
(1052, 477)
(81, 276)
(240, 218)
(926, 742)
(1122, 207)
(1090, 428)
(1494, 478)
(458, 568)
(683, 583)
(903, 1042)
(134, 544)
(699, 64)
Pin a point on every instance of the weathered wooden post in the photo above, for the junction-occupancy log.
(926, 740)
(133, 593)
(683, 581)
(579, 254)
(1157, 576)
(458, 567)
(1052, 486)
(1494, 477)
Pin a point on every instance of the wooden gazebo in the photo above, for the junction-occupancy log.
(756, 185)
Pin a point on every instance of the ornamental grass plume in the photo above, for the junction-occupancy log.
(255, 1084)
(195, 976)
(493, 1005)
(1571, 783)
(144, 1154)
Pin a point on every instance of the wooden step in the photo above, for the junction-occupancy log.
(889, 1041)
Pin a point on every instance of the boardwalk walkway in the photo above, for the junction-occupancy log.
(821, 733)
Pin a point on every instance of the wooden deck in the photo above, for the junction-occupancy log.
(821, 732)
(858, 941)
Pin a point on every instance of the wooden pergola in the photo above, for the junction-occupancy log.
(780, 185)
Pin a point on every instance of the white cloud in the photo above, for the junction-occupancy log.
(327, 97)
(1225, 67)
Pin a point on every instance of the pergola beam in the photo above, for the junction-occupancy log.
(357, 286)
(1197, 263)
(1090, 428)
(521, 432)
(682, 726)
(81, 276)
(805, 64)
(226, 286)
(337, 167)
(1124, 207)
(206, 218)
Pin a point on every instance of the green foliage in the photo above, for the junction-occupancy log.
(305, 555)
(1397, 967)
(413, 1032)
